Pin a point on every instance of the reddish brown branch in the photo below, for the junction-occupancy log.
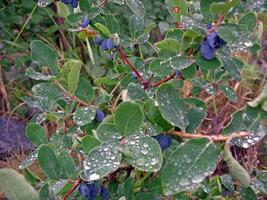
(75, 185)
(167, 78)
(102, 3)
(217, 24)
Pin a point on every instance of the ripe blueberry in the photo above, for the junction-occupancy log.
(84, 190)
(95, 190)
(104, 45)
(100, 115)
(85, 22)
(207, 51)
(98, 40)
(67, 1)
(104, 193)
(164, 141)
(110, 44)
(178, 74)
(74, 3)
(133, 75)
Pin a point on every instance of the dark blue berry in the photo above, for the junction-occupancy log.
(74, 3)
(84, 190)
(100, 115)
(98, 40)
(133, 75)
(178, 74)
(209, 26)
(207, 51)
(104, 193)
(110, 44)
(95, 190)
(215, 41)
(85, 22)
(104, 45)
(164, 141)
(67, 1)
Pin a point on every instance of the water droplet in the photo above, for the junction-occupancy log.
(245, 145)
(93, 177)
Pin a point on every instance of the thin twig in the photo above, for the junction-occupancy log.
(213, 138)
(75, 185)
(102, 3)
(167, 78)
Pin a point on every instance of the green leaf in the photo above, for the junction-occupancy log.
(112, 24)
(248, 193)
(46, 193)
(171, 106)
(223, 7)
(47, 90)
(67, 164)
(183, 6)
(128, 188)
(103, 29)
(85, 5)
(107, 131)
(29, 160)
(232, 68)
(249, 19)
(143, 152)
(89, 142)
(136, 6)
(83, 116)
(76, 17)
(48, 162)
(196, 113)
(136, 25)
(136, 92)
(101, 161)
(168, 44)
(44, 56)
(227, 182)
(44, 3)
(128, 117)
(74, 74)
(188, 165)
(228, 92)
(84, 90)
(62, 9)
(36, 134)
(178, 62)
(30, 72)
(15, 186)
(175, 34)
(43, 103)
(106, 81)
(205, 10)
(208, 64)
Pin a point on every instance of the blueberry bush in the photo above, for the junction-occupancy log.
(131, 98)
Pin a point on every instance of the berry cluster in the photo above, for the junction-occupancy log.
(164, 141)
(100, 115)
(90, 191)
(210, 44)
(73, 3)
(105, 44)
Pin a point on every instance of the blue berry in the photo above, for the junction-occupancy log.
(207, 51)
(164, 141)
(98, 40)
(133, 75)
(104, 193)
(110, 44)
(178, 74)
(209, 26)
(67, 1)
(104, 45)
(95, 190)
(84, 190)
(74, 3)
(85, 22)
(100, 115)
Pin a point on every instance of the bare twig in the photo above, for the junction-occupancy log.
(75, 185)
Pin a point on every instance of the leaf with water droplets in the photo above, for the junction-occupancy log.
(223, 7)
(231, 67)
(249, 19)
(48, 89)
(107, 131)
(143, 152)
(136, 25)
(228, 92)
(171, 106)
(136, 92)
(227, 182)
(83, 116)
(44, 55)
(15, 186)
(136, 6)
(30, 72)
(67, 164)
(129, 117)
(189, 165)
(44, 3)
(213, 64)
(101, 161)
(178, 62)
(46, 193)
(248, 193)
(29, 160)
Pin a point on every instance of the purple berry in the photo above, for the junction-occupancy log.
(100, 115)
(206, 51)
(178, 74)
(133, 75)
(98, 40)
(74, 3)
(84, 190)
(164, 141)
(67, 1)
(215, 41)
(110, 44)
(85, 22)
(104, 193)
(95, 190)
(209, 26)
(104, 45)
